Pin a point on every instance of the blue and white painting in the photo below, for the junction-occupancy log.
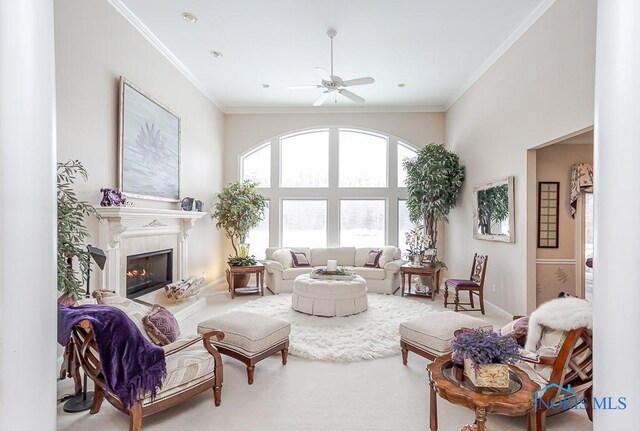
(150, 152)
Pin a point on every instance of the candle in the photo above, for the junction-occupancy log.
(332, 265)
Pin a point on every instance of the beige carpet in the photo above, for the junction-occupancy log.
(305, 395)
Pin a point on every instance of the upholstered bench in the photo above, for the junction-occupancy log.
(249, 337)
(430, 336)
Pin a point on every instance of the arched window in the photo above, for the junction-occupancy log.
(333, 186)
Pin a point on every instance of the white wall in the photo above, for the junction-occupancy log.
(541, 89)
(94, 46)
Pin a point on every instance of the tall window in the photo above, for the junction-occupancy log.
(305, 160)
(331, 186)
(362, 159)
(362, 222)
(404, 152)
(258, 238)
(256, 166)
(404, 224)
(304, 223)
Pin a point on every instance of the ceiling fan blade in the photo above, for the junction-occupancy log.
(358, 81)
(350, 95)
(303, 87)
(320, 100)
(323, 74)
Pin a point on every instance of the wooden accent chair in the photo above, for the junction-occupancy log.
(191, 369)
(565, 378)
(474, 285)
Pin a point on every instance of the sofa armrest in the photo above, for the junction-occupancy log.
(273, 265)
(394, 265)
(180, 344)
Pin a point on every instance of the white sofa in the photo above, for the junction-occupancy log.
(280, 273)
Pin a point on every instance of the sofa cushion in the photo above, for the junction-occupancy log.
(434, 331)
(269, 251)
(283, 256)
(373, 259)
(389, 253)
(344, 255)
(161, 326)
(300, 259)
(292, 273)
(370, 273)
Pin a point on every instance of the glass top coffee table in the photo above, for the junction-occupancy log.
(516, 400)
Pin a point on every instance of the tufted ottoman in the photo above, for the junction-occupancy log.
(329, 298)
(430, 336)
(249, 337)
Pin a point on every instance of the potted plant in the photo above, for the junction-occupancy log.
(417, 245)
(239, 208)
(71, 231)
(485, 355)
(434, 178)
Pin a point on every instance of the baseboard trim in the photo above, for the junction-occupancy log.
(497, 310)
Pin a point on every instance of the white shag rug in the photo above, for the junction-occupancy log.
(367, 335)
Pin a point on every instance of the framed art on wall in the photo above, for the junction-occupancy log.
(548, 202)
(149, 146)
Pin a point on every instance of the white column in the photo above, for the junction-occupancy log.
(27, 216)
(617, 208)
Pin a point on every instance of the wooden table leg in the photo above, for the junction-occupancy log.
(531, 421)
(408, 284)
(433, 408)
(402, 275)
(261, 276)
(481, 418)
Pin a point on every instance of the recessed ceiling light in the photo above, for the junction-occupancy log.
(265, 86)
(217, 54)
(189, 17)
(402, 84)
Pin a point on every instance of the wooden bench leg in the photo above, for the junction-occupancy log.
(285, 353)
(405, 352)
(250, 370)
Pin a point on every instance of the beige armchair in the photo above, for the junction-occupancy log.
(193, 365)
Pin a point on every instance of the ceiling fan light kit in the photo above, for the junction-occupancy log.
(332, 83)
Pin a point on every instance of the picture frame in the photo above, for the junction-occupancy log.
(148, 146)
(548, 214)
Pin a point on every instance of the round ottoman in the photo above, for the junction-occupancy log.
(329, 297)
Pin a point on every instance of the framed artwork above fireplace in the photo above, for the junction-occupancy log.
(149, 146)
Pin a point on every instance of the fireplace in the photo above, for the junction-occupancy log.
(147, 272)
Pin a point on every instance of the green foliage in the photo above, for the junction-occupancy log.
(71, 229)
(493, 207)
(242, 261)
(434, 178)
(238, 210)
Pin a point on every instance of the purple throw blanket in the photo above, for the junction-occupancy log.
(131, 364)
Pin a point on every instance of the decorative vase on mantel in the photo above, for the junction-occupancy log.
(487, 375)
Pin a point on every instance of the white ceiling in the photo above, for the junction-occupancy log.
(436, 47)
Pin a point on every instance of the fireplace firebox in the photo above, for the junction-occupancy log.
(147, 272)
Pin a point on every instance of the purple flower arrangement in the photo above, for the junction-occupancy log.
(484, 347)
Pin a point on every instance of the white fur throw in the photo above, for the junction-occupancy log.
(564, 314)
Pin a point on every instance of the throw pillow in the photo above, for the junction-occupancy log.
(283, 256)
(373, 259)
(388, 253)
(517, 329)
(100, 295)
(161, 326)
(299, 259)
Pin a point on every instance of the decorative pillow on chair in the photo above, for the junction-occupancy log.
(299, 259)
(161, 326)
(283, 255)
(517, 329)
(373, 259)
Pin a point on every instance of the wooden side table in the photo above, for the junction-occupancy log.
(258, 270)
(517, 400)
(434, 271)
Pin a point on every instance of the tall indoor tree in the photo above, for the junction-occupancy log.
(434, 179)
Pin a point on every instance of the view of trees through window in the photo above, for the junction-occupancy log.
(330, 187)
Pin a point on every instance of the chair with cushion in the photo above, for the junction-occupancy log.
(474, 285)
(559, 357)
(193, 364)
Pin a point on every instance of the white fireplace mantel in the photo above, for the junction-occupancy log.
(118, 224)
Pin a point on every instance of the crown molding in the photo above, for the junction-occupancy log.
(333, 110)
(502, 49)
(163, 49)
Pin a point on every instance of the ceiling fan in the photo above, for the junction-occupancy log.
(332, 83)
